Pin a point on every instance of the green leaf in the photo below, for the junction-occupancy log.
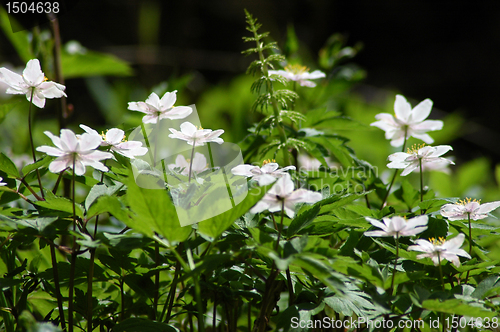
(19, 40)
(99, 190)
(40, 163)
(8, 166)
(93, 63)
(318, 268)
(6, 108)
(143, 325)
(154, 212)
(336, 201)
(302, 220)
(458, 307)
(215, 226)
(60, 204)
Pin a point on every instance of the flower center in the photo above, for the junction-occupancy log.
(296, 69)
(467, 201)
(437, 242)
(414, 149)
(268, 161)
(45, 79)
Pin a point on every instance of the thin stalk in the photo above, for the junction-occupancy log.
(157, 280)
(73, 258)
(58, 68)
(7, 317)
(171, 294)
(214, 314)
(31, 142)
(395, 174)
(395, 265)
(191, 161)
(158, 126)
(470, 244)
(55, 272)
(281, 224)
(122, 298)
(291, 295)
(23, 181)
(146, 140)
(440, 270)
(421, 181)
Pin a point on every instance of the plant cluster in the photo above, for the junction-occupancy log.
(103, 232)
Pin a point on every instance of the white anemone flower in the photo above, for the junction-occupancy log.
(32, 83)
(299, 74)
(159, 109)
(2, 183)
(115, 139)
(195, 136)
(441, 249)
(468, 207)
(411, 160)
(408, 120)
(264, 175)
(72, 150)
(199, 164)
(282, 194)
(398, 226)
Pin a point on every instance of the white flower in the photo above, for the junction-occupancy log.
(33, 81)
(2, 183)
(462, 209)
(283, 192)
(398, 226)
(70, 149)
(264, 175)
(411, 159)
(199, 164)
(115, 138)
(409, 120)
(441, 249)
(300, 74)
(158, 109)
(198, 137)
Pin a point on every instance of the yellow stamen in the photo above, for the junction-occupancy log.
(268, 161)
(296, 69)
(440, 241)
(45, 78)
(467, 201)
(414, 148)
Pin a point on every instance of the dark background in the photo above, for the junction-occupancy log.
(444, 50)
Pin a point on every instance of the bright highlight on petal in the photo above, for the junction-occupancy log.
(159, 109)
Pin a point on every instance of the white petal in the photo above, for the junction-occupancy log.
(409, 169)
(402, 108)
(33, 74)
(89, 142)
(59, 165)
(376, 223)
(269, 167)
(114, 136)
(309, 84)
(428, 125)
(139, 106)
(421, 111)
(440, 150)
(261, 205)
(150, 118)
(188, 129)
(488, 207)
(51, 90)
(179, 112)
(376, 233)
(314, 75)
(168, 100)
(51, 151)
(454, 243)
(424, 137)
(10, 78)
(265, 179)
(89, 130)
(55, 139)
(154, 101)
(243, 170)
(69, 140)
(304, 196)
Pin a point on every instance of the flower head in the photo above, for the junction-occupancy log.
(199, 164)
(409, 121)
(158, 109)
(282, 194)
(299, 74)
(398, 226)
(115, 139)
(441, 249)
(264, 175)
(411, 159)
(72, 150)
(198, 137)
(32, 83)
(468, 207)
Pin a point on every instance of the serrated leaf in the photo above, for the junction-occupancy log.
(61, 204)
(302, 220)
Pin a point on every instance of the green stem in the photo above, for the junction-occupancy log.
(281, 225)
(470, 244)
(395, 265)
(394, 176)
(7, 317)
(146, 140)
(421, 181)
(190, 170)
(57, 288)
(440, 270)
(157, 280)
(171, 294)
(73, 258)
(32, 144)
